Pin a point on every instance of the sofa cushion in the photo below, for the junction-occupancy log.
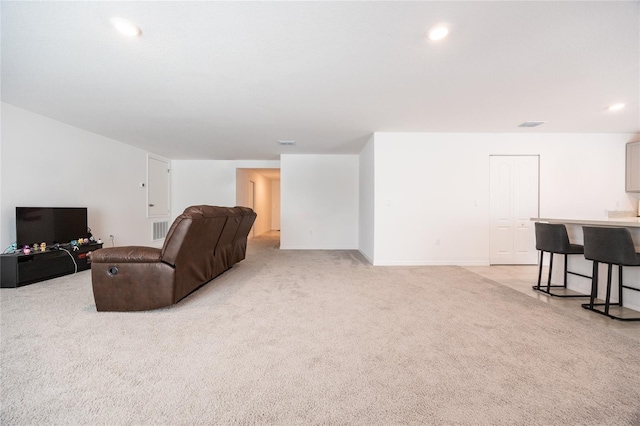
(224, 249)
(240, 239)
(130, 254)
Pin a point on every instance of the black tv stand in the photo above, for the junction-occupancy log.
(17, 269)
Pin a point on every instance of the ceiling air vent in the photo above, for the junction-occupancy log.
(287, 143)
(531, 123)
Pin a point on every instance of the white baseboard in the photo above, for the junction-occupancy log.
(434, 263)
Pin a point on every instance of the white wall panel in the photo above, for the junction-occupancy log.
(432, 189)
(367, 200)
(51, 164)
(319, 201)
(208, 182)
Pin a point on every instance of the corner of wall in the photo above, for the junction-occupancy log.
(366, 256)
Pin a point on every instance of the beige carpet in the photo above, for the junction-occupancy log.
(313, 337)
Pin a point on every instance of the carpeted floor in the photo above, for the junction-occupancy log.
(313, 337)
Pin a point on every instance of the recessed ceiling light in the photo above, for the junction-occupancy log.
(616, 107)
(438, 32)
(125, 27)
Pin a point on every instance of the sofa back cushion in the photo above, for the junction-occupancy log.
(240, 240)
(174, 239)
(224, 250)
(190, 246)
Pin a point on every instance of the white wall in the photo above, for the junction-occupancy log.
(275, 201)
(49, 163)
(196, 182)
(432, 186)
(404, 190)
(212, 182)
(319, 201)
(367, 200)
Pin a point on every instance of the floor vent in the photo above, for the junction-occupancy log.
(160, 230)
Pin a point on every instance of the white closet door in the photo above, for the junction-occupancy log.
(514, 201)
(158, 184)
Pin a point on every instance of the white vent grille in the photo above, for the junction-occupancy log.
(160, 230)
(287, 143)
(531, 123)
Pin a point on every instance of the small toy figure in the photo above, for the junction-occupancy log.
(74, 245)
(43, 246)
(26, 249)
(79, 241)
(99, 241)
(35, 247)
(85, 241)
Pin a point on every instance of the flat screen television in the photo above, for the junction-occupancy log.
(51, 225)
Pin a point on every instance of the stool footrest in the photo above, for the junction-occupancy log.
(580, 275)
(543, 289)
(589, 307)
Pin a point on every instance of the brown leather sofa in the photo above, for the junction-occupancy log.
(202, 243)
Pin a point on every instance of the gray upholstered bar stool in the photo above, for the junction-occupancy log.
(553, 238)
(612, 246)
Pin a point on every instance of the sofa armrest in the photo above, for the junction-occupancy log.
(130, 254)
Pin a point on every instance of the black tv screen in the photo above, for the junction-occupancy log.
(50, 225)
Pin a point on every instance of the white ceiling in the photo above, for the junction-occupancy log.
(226, 80)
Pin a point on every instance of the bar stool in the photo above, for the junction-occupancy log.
(612, 246)
(553, 238)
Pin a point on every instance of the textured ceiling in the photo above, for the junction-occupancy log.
(226, 80)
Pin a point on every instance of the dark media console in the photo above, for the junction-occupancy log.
(17, 269)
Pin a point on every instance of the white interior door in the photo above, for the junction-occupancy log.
(514, 201)
(158, 184)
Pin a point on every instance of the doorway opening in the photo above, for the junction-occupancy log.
(259, 189)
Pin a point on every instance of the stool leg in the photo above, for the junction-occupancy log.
(608, 296)
(540, 269)
(550, 269)
(566, 265)
(620, 285)
(594, 284)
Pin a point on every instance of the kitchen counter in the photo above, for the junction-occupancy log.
(584, 266)
(626, 222)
